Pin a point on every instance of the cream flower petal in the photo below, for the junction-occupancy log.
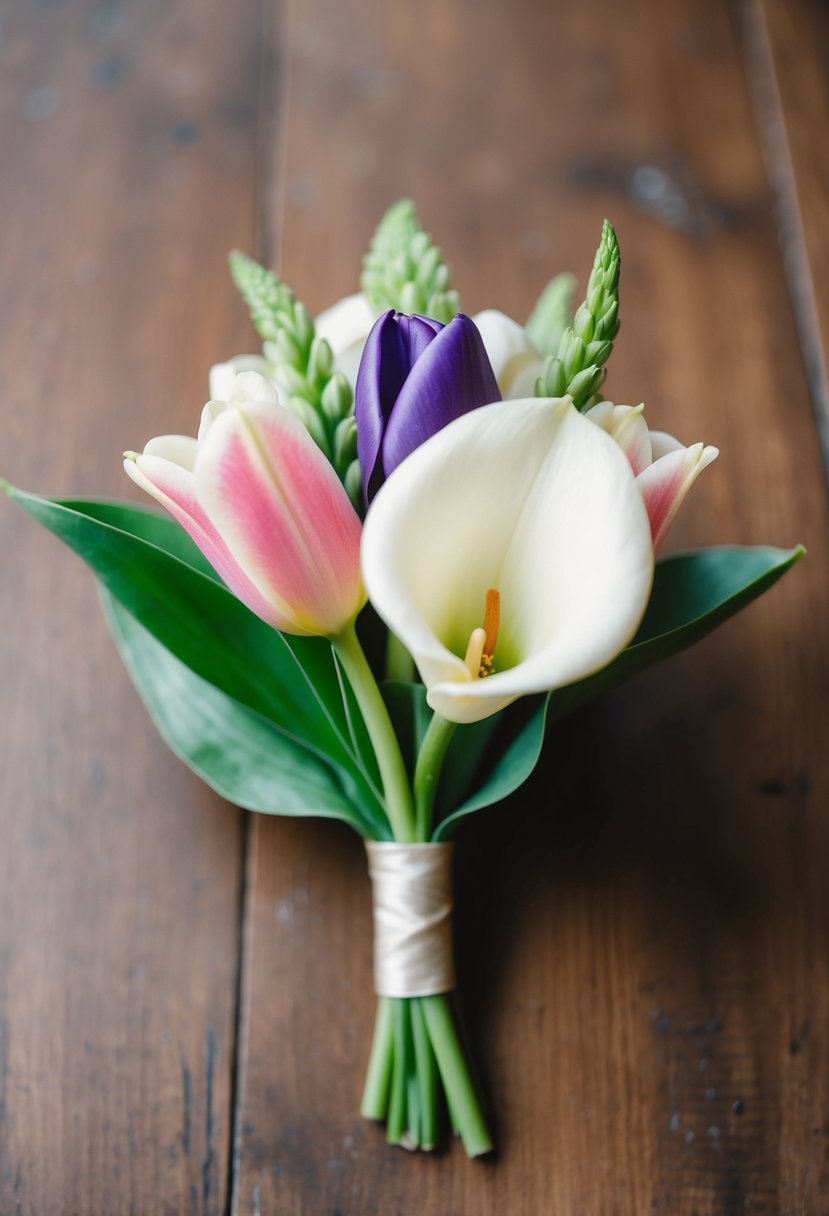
(345, 327)
(528, 497)
(626, 424)
(223, 375)
(665, 483)
(515, 361)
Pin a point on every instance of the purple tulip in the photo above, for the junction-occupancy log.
(415, 377)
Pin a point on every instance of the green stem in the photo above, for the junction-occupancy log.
(396, 1123)
(427, 771)
(399, 663)
(427, 1076)
(381, 732)
(412, 1136)
(375, 1103)
(455, 1074)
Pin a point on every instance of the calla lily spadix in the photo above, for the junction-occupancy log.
(265, 507)
(665, 470)
(527, 499)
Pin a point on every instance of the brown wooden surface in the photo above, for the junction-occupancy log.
(128, 145)
(643, 932)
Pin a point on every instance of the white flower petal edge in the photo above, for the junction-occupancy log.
(532, 499)
(665, 469)
(515, 361)
(223, 375)
(345, 327)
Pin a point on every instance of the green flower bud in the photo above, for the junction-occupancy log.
(345, 442)
(353, 482)
(320, 362)
(337, 399)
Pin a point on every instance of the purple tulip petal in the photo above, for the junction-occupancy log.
(392, 348)
(417, 333)
(383, 370)
(451, 377)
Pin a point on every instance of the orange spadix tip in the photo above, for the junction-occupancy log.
(492, 619)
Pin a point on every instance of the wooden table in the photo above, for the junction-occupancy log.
(185, 991)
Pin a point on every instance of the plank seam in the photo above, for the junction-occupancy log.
(764, 93)
(241, 1011)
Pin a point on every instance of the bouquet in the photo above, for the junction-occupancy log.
(403, 543)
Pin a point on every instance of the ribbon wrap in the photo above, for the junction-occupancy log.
(412, 898)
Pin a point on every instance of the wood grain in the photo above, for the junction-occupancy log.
(787, 50)
(128, 138)
(642, 931)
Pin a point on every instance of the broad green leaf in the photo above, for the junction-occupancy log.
(516, 757)
(294, 684)
(243, 756)
(149, 524)
(491, 757)
(692, 594)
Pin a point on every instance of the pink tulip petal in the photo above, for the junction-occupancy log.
(625, 424)
(666, 482)
(662, 443)
(172, 486)
(281, 509)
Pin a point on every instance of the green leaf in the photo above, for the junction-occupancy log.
(516, 757)
(692, 594)
(294, 683)
(491, 757)
(247, 759)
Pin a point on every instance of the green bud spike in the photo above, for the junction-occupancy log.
(552, 314)
(270, 301)
(303, 364)
(404, 270)
(577, 367)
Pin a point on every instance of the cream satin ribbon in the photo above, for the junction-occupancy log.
(412, 895)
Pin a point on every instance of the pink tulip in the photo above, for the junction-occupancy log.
(665, 470)
(265, 507)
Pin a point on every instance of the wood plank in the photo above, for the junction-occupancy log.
(787, 50)
(128, 138)
(640, 931)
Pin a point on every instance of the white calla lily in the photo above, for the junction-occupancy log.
(527, 498)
